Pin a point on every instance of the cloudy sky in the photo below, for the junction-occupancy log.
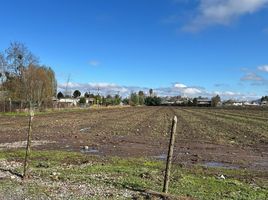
(176, 47)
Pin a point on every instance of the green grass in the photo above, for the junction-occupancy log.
(139, 173)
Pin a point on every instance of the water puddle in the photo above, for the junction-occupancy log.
(215, 164)
(85, 129)
(161, 157)
(89, 150)
(261, 164)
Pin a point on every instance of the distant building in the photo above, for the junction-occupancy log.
(238, 104)
(264, 103)
(203, 102)
(69, 101)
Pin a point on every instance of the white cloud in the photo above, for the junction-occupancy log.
(222, 12)
(179, 85)
(191, 91)
(263, 68)
(102, 88)
(251, 76)
(94, 63)
(175, 89)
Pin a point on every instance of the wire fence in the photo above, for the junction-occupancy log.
(21, 106)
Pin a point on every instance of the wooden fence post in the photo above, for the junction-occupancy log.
(170, 154)
(28, 147)
(10, 105)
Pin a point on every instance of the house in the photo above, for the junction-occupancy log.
(90, 101)
(238, 104)
(264, 103)
(69, 101)
(203, 102)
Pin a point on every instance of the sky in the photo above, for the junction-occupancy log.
(177, 47)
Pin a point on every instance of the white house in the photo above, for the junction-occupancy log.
(70, 101)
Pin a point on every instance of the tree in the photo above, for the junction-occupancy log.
(82, 100)
(152, 101)
(23, 78)
(264, 98)
(108, 100)
(195, 102)
(151, 92)
(117, 99)
(86, 95)
(141, 97)
(134, 99)
(2, 68)
(76, 94)
(125, 101)
(60, 95)
(215, 101)
(19, 57)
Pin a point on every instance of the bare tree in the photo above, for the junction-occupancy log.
(18, 57)
(23, 78)
(3, 65)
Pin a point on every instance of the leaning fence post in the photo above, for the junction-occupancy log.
(10, 105)
(170, 154)
(28, 147)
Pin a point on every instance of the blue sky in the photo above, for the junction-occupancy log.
(187, 47)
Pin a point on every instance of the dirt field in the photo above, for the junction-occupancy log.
(231, 138)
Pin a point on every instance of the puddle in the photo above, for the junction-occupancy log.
(262, 164)
(220, 165)
(161, 157)
(90, 150)
(85, 129)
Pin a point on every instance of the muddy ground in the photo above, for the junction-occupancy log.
(211, 137)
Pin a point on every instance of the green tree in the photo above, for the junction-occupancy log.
(195, 102)
(108, 100)
(98, 99)
(76, 94)
(152, 101)
(151, 92)
(82, 100)
(134, 99)
(264, 98)
(125, 101)
(141, 97)
(215, 101)
(86, 95)
(117, 99)
(60, 95)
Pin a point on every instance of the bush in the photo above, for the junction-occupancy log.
(82, 100)
(152, 101)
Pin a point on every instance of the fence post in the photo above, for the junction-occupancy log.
(10, 105)
(28, 147)
(170, 154)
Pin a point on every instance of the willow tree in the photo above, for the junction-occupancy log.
(24, 79)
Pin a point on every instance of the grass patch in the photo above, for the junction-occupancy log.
(138, 173)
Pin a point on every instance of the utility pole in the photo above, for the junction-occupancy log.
(67, 84)
(98, 96)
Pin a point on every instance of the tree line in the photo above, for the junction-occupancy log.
(134, 99)
(23, 78)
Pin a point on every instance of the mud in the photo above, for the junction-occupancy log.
(201, 138)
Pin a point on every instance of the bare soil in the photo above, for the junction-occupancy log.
(225, 137)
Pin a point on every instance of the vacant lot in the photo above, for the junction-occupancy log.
(127, 147)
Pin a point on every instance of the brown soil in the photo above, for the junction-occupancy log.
(228, 138)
